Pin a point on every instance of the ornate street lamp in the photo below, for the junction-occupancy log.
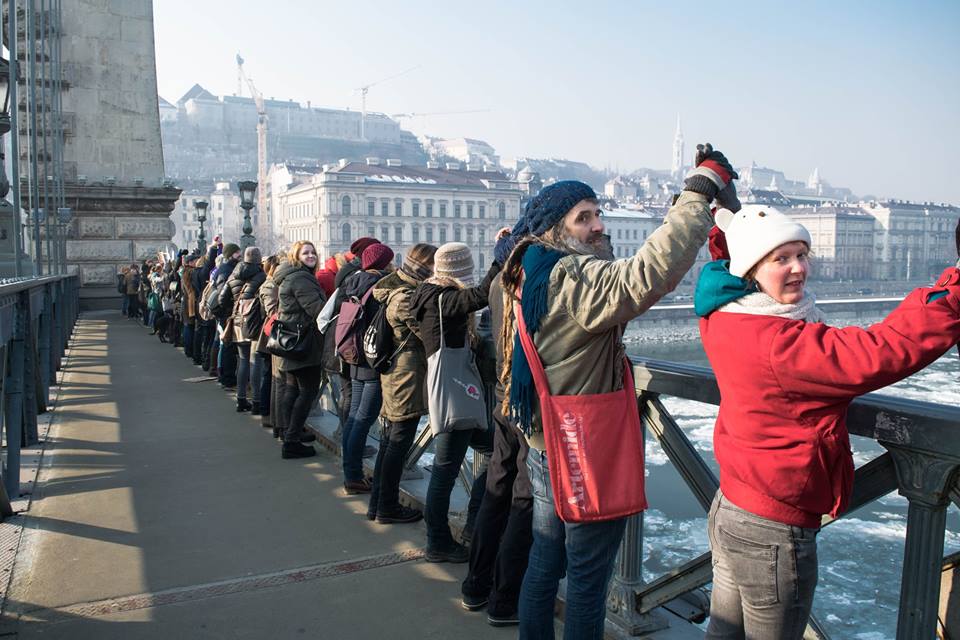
(248, 189)
(201, 207)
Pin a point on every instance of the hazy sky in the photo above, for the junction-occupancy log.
(866, 91)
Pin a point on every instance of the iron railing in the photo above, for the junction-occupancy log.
(37, 317)
(922, 461)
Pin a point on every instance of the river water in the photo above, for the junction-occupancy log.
(861, 556)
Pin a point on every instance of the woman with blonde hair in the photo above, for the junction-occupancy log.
(301, 300)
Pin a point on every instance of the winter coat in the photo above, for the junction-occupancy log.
(327, 276)
(404, 383)
(225, 296)
(781, 436)
(301, 301)
(590, 300)
(132, 282)
(357, 285)
(458, 307)
(270, 302)
(242, 284)
(351, 264)
(190, 294)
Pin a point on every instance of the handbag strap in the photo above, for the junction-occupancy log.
(443, 344)
(536, 366)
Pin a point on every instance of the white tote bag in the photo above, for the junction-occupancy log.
(455, 392)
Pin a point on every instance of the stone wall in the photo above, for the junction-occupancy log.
(113, 158)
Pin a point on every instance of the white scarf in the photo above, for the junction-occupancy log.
(760, 304)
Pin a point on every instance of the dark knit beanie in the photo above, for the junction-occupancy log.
(252, 255)
(360, 244)
(549, 206)
(229, 250)
(376, 256)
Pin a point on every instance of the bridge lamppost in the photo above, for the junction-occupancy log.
(64, 215)
(248, 189)
(201, 207)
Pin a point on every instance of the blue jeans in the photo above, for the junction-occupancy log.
(124, 304)
(586, 552)
(364, 409)
(448, 454)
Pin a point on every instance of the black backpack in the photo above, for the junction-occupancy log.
(121, 283)
(378, 341)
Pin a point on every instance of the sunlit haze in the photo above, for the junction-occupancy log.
(866, 92)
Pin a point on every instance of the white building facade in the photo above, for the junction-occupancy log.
(400, 206)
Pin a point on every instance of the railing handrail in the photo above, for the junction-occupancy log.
(31, 282)
(922, 462)
(883, 417)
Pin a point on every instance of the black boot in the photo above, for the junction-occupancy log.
(255, 409)
(297, 450)
(243, 405)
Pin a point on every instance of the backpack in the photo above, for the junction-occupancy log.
(378, 342)
(203, 310)
(121, 284)
(349, 330)
(247, 319)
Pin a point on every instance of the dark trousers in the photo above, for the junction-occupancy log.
(504, 527)
(300, 392)
(133, 305)
(201, 338)
(394, 445)
(261, 387)
(189, 334)
(450, 450)
(228, 364)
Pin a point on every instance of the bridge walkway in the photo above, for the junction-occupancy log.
(160, 512)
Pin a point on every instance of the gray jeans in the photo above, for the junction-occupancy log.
(764, 575)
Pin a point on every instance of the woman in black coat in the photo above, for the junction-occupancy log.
(301, 301)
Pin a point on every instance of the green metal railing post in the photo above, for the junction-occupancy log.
(13, 387)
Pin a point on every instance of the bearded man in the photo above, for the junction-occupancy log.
(576, 303)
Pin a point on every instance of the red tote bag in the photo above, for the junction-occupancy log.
(594, 446)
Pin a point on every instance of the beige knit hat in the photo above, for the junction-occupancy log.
(454, 260)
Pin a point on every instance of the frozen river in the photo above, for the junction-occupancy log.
(860, 557)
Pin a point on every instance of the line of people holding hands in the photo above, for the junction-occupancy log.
(402, 341)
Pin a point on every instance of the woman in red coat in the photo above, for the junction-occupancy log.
(786, 380)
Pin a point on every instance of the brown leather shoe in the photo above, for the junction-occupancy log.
(354, 487)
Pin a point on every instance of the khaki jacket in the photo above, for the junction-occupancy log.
(404, 384)
(590, 301)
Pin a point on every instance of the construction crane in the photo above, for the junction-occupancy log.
(399, 116)
(363, 98)
(261, 141)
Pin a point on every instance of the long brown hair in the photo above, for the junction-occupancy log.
(293, 256)
(270, 264)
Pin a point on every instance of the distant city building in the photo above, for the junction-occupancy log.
(400, 205)
(913, 240)
(676, 164)
(209, 137)
(623, 190)
(466, 150)
(843, 241)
